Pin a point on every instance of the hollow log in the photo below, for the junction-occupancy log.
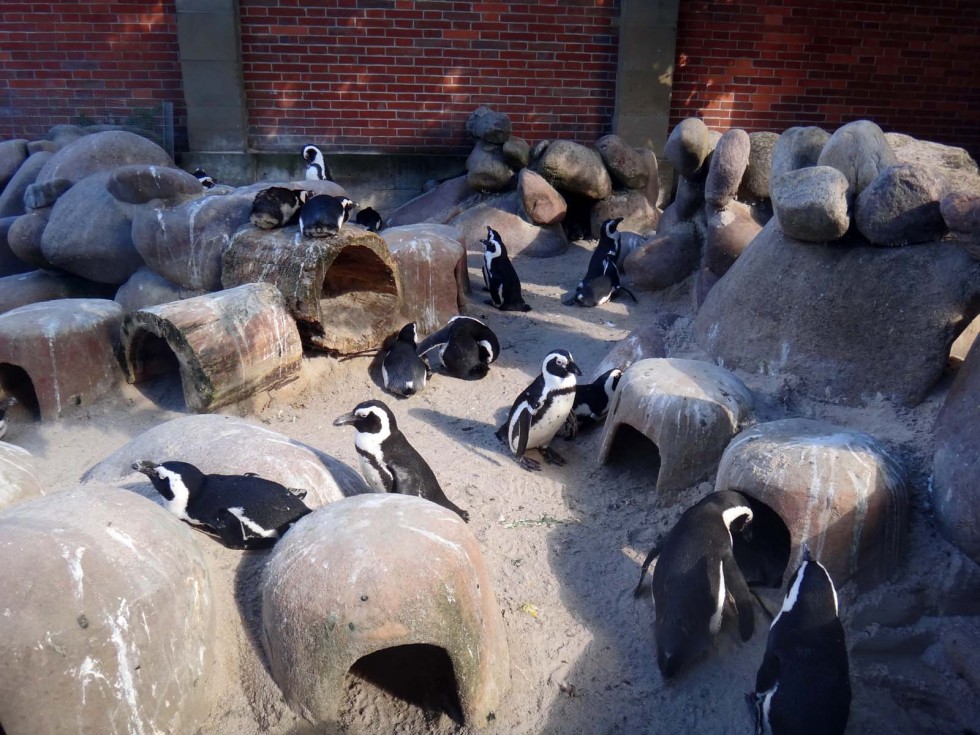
(228, 345)
(344, 291)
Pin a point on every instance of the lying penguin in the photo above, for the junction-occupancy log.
(5, 403)
(241, 511)
(541, 410)
(591, 402)
(601, 288)
(369, 218)
(803, 684)
(316, 164)
(608, 248)
(206, 181)
(403, 372)
(278, 206)
(388, 462)
(695, 576)
(323, 215)
(466, 347)
(499, 275)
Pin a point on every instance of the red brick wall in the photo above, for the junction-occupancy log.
(911, 66)
(403, 75)
(70, 62)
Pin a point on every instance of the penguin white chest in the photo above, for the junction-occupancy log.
(544, 429)
(369, 456)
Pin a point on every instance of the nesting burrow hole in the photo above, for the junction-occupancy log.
(154, 368)
(15, 382)
(359, 296)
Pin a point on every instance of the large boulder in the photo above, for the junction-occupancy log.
(727, 233)
(40, 285)
(488, 126)
(12, 196)
(10, 264)
(225, 445)
(631, 205)
(140, 183)
(13, 153)
(103, 151)
(688, 147)
(667, 258)
(858, 150)
(626, 164)
(956, 462)
(954, 163)
(574, 168)
(833, 317)
(812, 204)
(520, 237)
(90, 233)
(438, 205)
(18, 476)
(797, 148)
(728, 164)
(541, 204)
(755, 180)
(486, 169)
(111, 626)
(146, 288)
(901, 206)
(642, 343)
(24, 237)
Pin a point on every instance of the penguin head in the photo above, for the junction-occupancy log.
(609, 228)
(811, 599)
(305, 196)
(559, 364)
(493, 243)
(369, 417)
(172, 479)
(409, 333)
(348, 205)
(610, 381)
(311, 153)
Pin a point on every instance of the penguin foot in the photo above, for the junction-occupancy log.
(529, 464)
(551, 456)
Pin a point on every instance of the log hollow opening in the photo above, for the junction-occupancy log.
(764, 556)
(16, 382)
(420, 674)
(155, 369)
(634, 452)
(359, 295)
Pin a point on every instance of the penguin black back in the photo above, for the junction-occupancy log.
(500, 276)
(389, 463)
(694, 576)
(803, 685)
(323, 215)
(277, 206)
(601, 288)
(403, 372)
(466, 347)
(370, 219)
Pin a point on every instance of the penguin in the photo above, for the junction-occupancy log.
(316, 164)
(370, 219)
(607, 248)
(466, 346)
(206, 181)
(323, 215)
(540, 411)
(5, 403)
(241, 511)
(803, 685)
(388, 462)
(600, 289)
(694, 577)
(403, 372)
(499, 275)
(278, 206)
(591, 402)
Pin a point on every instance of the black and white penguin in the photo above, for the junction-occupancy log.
(694, 577)
(388, 462)
(370, 219)
(316, 164)
(403, 372)
(591, 401)
(278, 206)
(607, 248)
(466, 347)
(803, 685)
(541, 410)
(242, 511)
(600, 289)
(323, 215)
(499, 275)
(206, 181)
(5, 403)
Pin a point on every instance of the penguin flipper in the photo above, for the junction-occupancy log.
(654, 553)
(768, 674)
(520, 431)
(735, 583)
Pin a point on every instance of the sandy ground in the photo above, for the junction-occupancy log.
(564, 546)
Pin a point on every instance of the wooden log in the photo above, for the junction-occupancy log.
(228, 345)
(344, 291)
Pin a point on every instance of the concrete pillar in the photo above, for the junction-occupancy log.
(208, 35)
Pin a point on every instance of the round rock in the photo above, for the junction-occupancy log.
(486, 169)
(36, 286)
(838, 491)
(520, 237)
(10, 264)
(728, 233)
(103, 151)
(728, 164)
(438, 205)
(643, 343)
(13, 153)
(961, 212)
(632, 205)
(119, 636)
(139, 184)
(755, 180)
(146, 288)
(667, 258)
(858, 150)
(517, 153)
(688, 146)
(18, 476)
(541, 203)
(488, 126)
(901, 206)
(573, 168)
(24, 237)
(797, 148)
(12, 198)
(625, 163)
(812, 204)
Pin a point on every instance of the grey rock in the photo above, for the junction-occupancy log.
(728, 233)
(517, 153)
(728, 164)
(90, 233)
(24, 237)
(139, 183)
(40, 195)
(667, 258)
(486, 169)
(812, 204)
(574, 168)
(540, 202)
(10, 264)
(12, 198)
(688, 199)
(901, 206)
(488, 126)
(438, 205)
(688, 147)
(146, 288)
(626, 165)
(42, 285)
(642, 343)
(520, 237)
(12, 154)
(632, 205)
(954, 163)
(102, 152)
(652, 189)
(858, 150)
(48, 146)
(961, 212)
(797, 148)
(755, 180)
(828, 315)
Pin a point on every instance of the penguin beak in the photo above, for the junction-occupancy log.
(574, 369)
(345, 420)
(145, 466)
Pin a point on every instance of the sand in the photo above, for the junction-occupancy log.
(564, 545)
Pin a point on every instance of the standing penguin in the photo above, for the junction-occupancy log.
(242, 511)
(324, 215)
(695, 576)
(803, 686)
(607, 248)
(388, 462)
(541, 410)
(316, 164)
(466, 346)
(5, 403)
(499, 275)
(404, 373)
(591, 401)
